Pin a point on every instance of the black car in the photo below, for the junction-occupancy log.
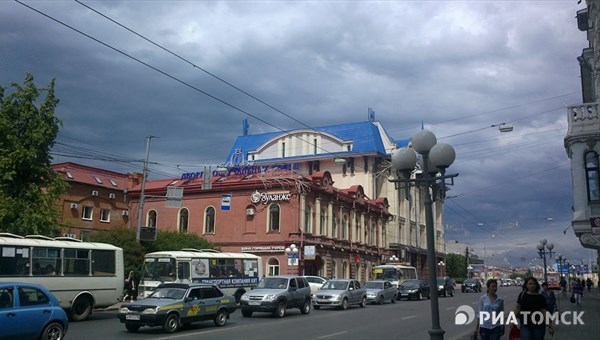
(445, 286)
(414, 289)
(471, 285)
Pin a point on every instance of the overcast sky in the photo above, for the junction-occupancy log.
(458, 67)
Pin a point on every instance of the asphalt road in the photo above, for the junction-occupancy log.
(402, 320)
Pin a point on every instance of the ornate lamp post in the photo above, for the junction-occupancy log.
(292, 253)
(437, 157)
(394, 258)
(542, 246)
(469, 270)
(562, 265)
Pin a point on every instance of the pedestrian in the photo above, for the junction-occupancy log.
(550, 297)
(130, 287)
(563, 286)
(589, 284)
(532, 325)
(490, 328)
(578, 291)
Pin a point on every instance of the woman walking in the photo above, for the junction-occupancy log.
(493, 305)
(532, 323)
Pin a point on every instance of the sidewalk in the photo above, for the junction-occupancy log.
(590, 306)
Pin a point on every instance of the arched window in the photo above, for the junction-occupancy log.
(334, 226)
(372, 237)
(345, 270)
(345, 228)
(274, 217)
(273, 266)
(322, 220)
(209, 220)
(357, 226)
(151, 219)
(591, 174)
(183, 220)
(333, 269)
(308, 219)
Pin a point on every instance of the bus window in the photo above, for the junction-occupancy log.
(103, 262)
(183, 270)
(76, 262)
(46, 261)
(14, 261)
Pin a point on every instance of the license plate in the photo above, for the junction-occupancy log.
(403, 294)
(132, 317)
(254, 303)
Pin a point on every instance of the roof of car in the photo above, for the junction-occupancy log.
(186, 285)
(283, 276)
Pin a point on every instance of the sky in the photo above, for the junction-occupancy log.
(126, 70)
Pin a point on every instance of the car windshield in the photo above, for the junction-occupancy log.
(168, 293)
(441, 282)
(335, 285)
(273, 283)
(410, 284)
(374, 285)
(470, 281)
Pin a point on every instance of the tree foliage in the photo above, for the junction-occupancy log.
(29, 188)
(133, 251)
(455, 266)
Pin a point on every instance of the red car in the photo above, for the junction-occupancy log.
(554, 285)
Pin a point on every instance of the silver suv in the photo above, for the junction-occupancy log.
(275, 294)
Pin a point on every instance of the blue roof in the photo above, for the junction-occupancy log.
(364, 136)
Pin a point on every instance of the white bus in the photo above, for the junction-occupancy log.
(234, 273)
(396, 273)
(82, 275)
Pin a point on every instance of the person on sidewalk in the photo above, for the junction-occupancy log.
(130, 287)
(492, 304)
(531, 301)
(589, 284)
(578, 291)
(563, 286)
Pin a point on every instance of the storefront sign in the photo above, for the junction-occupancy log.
(309, 252)
(263, 249)
(265, 197)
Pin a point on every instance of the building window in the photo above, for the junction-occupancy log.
(183, 221)
(274, 217)
(322, 220)
(87, 213)
(209, 220)
(315, 146)
(283, 150)
(104, 215)
(334, 226)
(308, 219)
(372, 238)
(357, 225)
(333, 269)
(85, 235)
(591, 174)
(345, 270)
(273, 267)
(345, 230)
(151, 219)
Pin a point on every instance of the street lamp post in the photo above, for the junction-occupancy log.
(562, 262)
(542, 246)
(441, 264)
(292, 254)
(437, 157)
(394, 258)
(469, 270)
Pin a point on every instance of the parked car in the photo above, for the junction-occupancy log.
(275, 294)
(30, 311)
(340, 294)
(380, 291)
(315, 282)
(445, 286)
(471, 285)
(414, 289)
(172, 305)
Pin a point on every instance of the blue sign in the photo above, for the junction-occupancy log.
(226, 202)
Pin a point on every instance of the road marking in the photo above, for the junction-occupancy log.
(409, 317)
(201, 332)
(330, 335)
(449, 308)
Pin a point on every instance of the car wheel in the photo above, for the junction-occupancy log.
(53, 331)
(81, 309)
(380, 301)
(363, 302)
(394, 298)
(344, 304)
(445, 293)
(221, 318)
(280, 310)
(306, 307)
(420, 296)
(317, 307)
(246, 313)
(171, 324)
(131, 327)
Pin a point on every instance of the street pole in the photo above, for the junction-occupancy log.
(144, 177)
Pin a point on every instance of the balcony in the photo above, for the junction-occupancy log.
(583, 119)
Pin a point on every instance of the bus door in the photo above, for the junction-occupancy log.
(183, 271)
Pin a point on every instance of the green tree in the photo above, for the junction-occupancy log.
(172, 240)
(455, 266)
(29, 188)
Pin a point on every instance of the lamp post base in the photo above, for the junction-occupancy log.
(436, 334)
